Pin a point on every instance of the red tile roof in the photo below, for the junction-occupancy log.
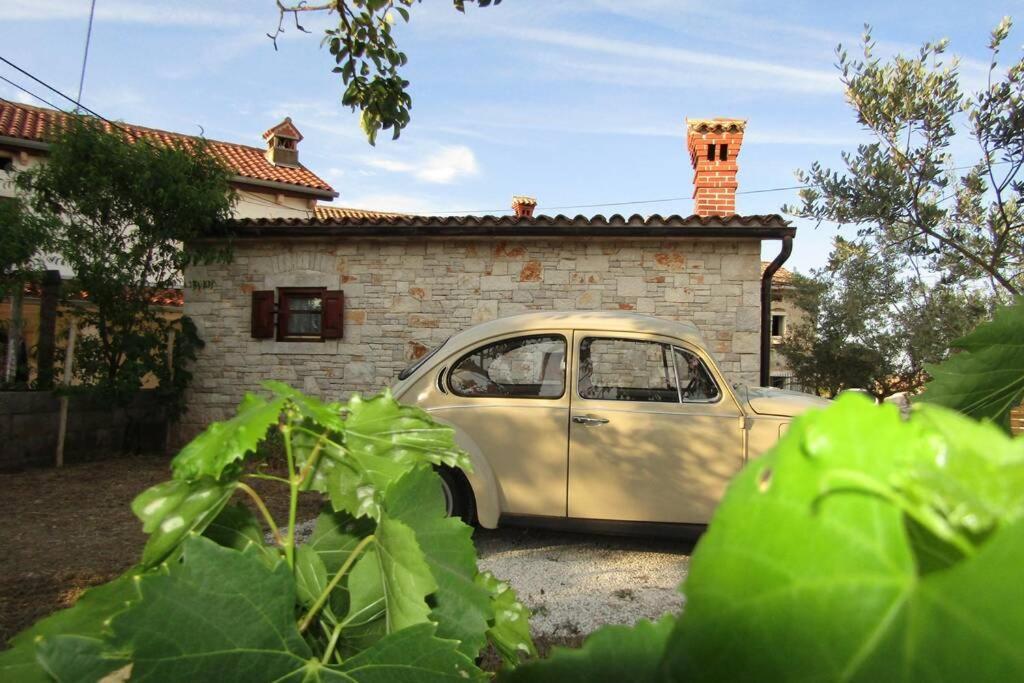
(160, 297)
(26, 122)
(328, 212)
(782, 276)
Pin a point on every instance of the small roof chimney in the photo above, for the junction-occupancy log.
(283, 143)
(714, 145)
(523, 205)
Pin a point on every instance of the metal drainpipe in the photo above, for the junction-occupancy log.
(766, 308)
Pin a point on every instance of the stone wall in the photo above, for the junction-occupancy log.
(29, 423)
(405, 295)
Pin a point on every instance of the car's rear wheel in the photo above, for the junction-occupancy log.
(458, 497)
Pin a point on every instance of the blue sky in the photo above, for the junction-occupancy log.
(573, 102)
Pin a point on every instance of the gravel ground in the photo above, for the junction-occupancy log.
(575, 583)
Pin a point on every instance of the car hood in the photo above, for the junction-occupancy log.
(770, 401)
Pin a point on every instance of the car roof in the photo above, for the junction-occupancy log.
(603, 321)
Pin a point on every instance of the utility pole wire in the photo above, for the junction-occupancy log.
(85, 57)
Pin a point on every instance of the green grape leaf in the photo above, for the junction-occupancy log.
(382, 441)
(225, 444)
(817, 561)
(327, 415)
(310, 578)
(335, 536)
(383, 427)
(405, 574)
(986, 379)
(86, 620)
(236, 527)
(173, 509)
(412, 655)
(509, 631)
(612, 653)
(216, 612)
(463, 607)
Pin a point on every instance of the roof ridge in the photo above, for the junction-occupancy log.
(320, 184)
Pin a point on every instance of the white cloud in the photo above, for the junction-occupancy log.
(124, 12)
(443, 164)
(728, 71)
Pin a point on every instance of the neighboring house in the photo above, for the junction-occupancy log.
(786, 315)
(269, 181)
(342, 301)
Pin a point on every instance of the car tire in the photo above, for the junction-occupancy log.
(458, 496)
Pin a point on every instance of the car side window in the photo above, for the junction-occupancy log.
(626, 370)
(695, 378)
(524, 367)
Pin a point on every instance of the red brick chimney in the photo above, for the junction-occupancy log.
(714, 145)
(523, 205)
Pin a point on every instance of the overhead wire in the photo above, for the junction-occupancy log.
(85, 56)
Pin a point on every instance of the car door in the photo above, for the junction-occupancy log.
(653, 437)
(508, 397)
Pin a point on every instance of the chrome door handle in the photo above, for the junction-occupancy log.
(588, 420)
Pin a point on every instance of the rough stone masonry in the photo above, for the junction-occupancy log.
(403, 296)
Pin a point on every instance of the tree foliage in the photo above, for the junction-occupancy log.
(906, 191)
(22, 243)
(367, 57)
(123, 215)
(871, 327)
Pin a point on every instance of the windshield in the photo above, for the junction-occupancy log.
(404, 374)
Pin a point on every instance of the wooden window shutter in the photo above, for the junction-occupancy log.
(263, 315)
(334, 311)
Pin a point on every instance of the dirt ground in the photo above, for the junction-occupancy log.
(66, 530)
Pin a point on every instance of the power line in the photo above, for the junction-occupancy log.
(85, 57)
(67, 97)
(30, 93)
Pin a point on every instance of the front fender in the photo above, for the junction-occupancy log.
(486, 491)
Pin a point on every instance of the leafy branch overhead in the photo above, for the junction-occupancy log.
(367, 56)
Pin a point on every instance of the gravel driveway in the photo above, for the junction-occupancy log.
(575, 583)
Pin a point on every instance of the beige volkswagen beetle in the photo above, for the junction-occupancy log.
(592, 419)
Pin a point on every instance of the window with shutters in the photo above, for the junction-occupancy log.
(300, 314)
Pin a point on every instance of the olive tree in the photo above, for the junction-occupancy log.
(906, 192)
(872, 327)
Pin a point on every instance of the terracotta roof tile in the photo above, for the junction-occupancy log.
(782, 276)
(768, 227)
(26, 122)
(328, 212)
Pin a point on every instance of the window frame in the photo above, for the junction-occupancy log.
(707, 371)
(479, 347)
(673, 347)
(782, 325)
(283, 313)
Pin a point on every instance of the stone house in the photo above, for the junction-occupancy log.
(786, 315)
(341, 301)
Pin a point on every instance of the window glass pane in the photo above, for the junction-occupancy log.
(304, 316)
(525, 367)
(627, 370)
(694, 378)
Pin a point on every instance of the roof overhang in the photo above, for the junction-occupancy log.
(770, 227)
